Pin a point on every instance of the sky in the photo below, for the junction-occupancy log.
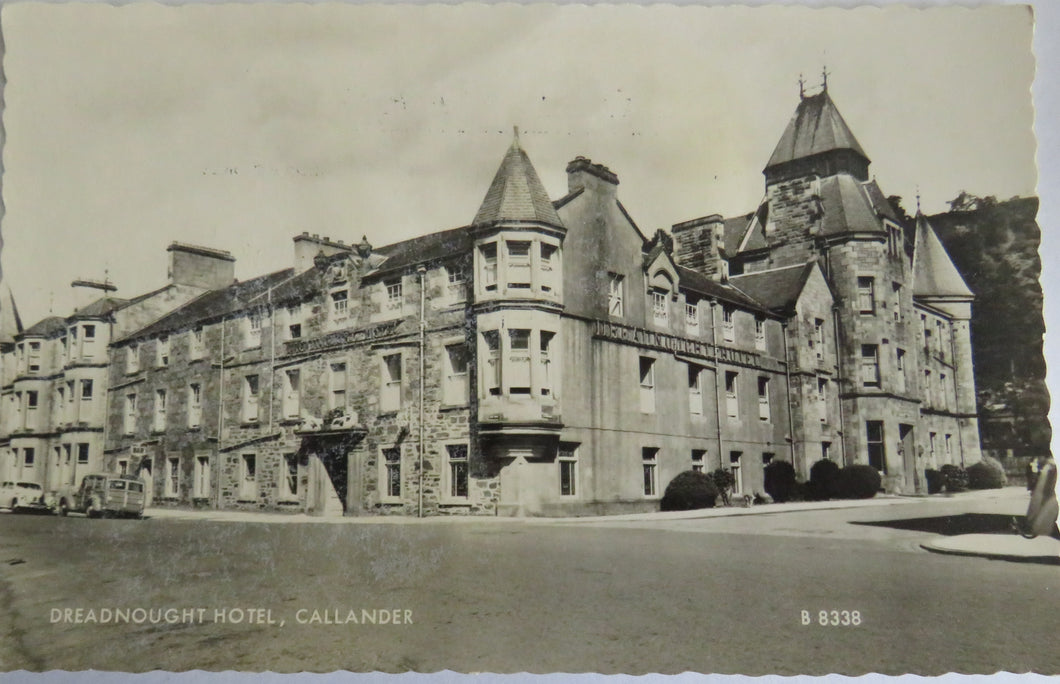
(240, 126)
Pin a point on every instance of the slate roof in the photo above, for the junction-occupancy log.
(816, 127)
(46, 327)
(934, 274)
(213, 304)
(424, 249)
(705, 285)
(516, 193)
(100, 308)
(777, 289)
(852, 206)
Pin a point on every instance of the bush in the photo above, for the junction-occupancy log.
(779, 480)
(762, 499)
(858, 482)
(723, 480)
(934, 480)
(688, 491)
(986, 474)
(954, 478)
(824, 480)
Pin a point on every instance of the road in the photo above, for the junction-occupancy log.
(723, 594)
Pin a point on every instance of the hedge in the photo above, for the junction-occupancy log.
(688, 491)
(986, 474)
(858, 482)
(779, 480)
(824, 480)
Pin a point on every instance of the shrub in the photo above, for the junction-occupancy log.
(761, 499)
(954, 478)
(779, 480)
(688, 491)
(986, 474)
(824, 480)
(858, 482)
(934, 480)
(724, 481)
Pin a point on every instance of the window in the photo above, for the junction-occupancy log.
(767, 458)
(866, 295)
(456, 274)
(894, 240)
(454, 390)
(251, 391)
(899, 369)
(130, 414)
(545, 359)
(82, 453)
(392, 472)
(34, 357)
(948, 446)
(870, 365)
(822, 399)
(695, 390)
(826, 450)
(337, 386)
(876, 446)
(926, 333)
(172, 476)
(692, 318)
(132, 358)
(567, 458)
(194, 405)
(253, 338)
(649, 462)
(818, 337)
(728, 325)
(28, 457)
(647, 384)
(31, 408)
(944, 392)
(517, 370)
(896, 304)
(519, 275)
(456, 457)
(548, 255)
(931, 446)
(763, 399)
(929, 388)
(732, 396)
(698, 460)
(340, 300)
(196, 343)
(940, 339)
(737, 473)
(492, 339)
(159, 424)
(760, 333)
(248, 481)
(615, 288)
(660, 307)
(201, 484)
(390, 392)
(67, 453)
(294, 321)
(87, 390)
(292, 393)
(395, 296)
(88, 341)
(162, 352)
(289, 476)
(488, 254)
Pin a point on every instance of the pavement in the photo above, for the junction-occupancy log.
(999, 547)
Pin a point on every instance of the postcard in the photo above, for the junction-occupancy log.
(616, 339)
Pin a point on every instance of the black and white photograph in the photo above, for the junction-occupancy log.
(617, 339)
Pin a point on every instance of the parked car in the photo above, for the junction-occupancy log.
(22, 496)
(104, 495)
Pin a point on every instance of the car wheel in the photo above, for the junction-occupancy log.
(14, 505)
(63, 508)
(93, 509)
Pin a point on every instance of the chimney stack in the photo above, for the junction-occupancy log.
(200, 267)
(582, 173)
(307, 247)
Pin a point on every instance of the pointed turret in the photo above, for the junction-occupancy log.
(10, 321)
(817, 140)
(934, 275)
(517, 193)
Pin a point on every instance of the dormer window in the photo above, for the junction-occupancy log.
(340, 300)
(253, 330)
(196, 345)
(132, 358)
(162, 352)
(728, 324)
(660, 308)
(294, 321)
(615, 287)
(760, 333)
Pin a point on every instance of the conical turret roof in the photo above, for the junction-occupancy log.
(516, 193)
(934, 274)
(10, 321)
(816, 127)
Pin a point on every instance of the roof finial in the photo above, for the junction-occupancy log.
(918, 199)
(515, 129)
(824, 79)
(802, 88)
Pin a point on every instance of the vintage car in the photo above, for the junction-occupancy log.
(22, 496)
(104, 495)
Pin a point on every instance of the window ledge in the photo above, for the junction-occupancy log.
(195, 428)
(288, 502)
(249, 424)
(246, 501)
(290, 421)
(157, 433)
(446, 408)
(454, 503)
